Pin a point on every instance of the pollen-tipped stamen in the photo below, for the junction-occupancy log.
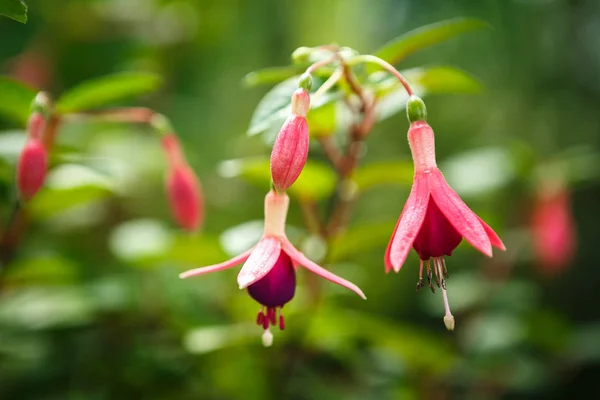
(429, 276)
(420, 283)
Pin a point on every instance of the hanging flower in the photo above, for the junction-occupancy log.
(269, 268)
(32, 165)
(553, 228)
(182, 187)
(434, 219)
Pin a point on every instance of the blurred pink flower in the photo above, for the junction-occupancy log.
(434, 219)
(269, 267)
(553, 229)
(32, 165)
(182, 186)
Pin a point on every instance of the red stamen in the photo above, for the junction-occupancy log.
(281, 322)
(260, 318)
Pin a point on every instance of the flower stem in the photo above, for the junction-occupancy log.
(367, 58)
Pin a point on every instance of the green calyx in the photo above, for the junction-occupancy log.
(162, 124)
(415, 109)
(305, 81)
(41, 104)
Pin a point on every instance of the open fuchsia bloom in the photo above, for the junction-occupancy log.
(291, 145)
(269, 270)
(182, 187)
(434, 219)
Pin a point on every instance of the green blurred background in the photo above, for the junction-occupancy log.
(91, 306)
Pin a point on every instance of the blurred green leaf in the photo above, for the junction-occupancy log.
(15, 99)
(383, 173)
(46, 269)
(195, 250)
(443, 79)
(322, 120)
(15, 9)
(49, 202)
(360, 239)
(271, 75)
(140, 240)
(107, 89)
(239, 238)
(316, 181)
(11, 143)
(399, 48)
(273, 106)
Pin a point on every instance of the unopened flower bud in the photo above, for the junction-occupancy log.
(289, 152)
(300, 102)
(415, 109)
(31, 168)
(301, 55)
(182, 187)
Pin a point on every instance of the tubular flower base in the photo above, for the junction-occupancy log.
(434, 220)
(269, 268)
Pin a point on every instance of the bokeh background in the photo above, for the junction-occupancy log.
(90, 303)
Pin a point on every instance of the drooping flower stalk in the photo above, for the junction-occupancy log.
(434, 219)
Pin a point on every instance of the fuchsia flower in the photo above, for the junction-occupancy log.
(33, 160)
(290, 149)
(553, 228)
(434, 219)
(269, 267)
(182, 187)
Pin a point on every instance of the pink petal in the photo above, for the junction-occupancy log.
(217, 267)
(494, 238)
(260, 262)
(458, 213)
(409, 224)
(300, 258)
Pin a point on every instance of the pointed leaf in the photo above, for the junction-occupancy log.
(15, 9)
(398, 49)
(443, 79)
(15, 99)
(274, 106)
(271, 75)
(107, 89)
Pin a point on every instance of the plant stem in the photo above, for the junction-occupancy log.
(367, 58)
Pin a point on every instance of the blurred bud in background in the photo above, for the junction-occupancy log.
(552, 227)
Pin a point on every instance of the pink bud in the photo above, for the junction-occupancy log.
(553, 230)
(300, 102)
(182, 187)
(289, 152)
(31, 168)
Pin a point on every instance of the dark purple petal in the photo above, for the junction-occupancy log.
(277, 287)
(437, 237)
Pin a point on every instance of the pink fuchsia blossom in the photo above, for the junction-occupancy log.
(553, 229)
(434, 219)
(269, 270)
(32, 165)
(182, 186)
(290, 149)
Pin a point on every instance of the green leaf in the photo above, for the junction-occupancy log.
(271, 75)
(107, 89)
(383, 173)
(359, 240)
(49, 202)
(15, 99)
(15, 9)
(274, 106)
(316, 181)
(322, 118)
(443, 79)
(398, 49)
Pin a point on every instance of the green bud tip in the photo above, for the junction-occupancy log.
(415, 109)
(301, 54)
(305, 81)
(41, 104)
(161, 124)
